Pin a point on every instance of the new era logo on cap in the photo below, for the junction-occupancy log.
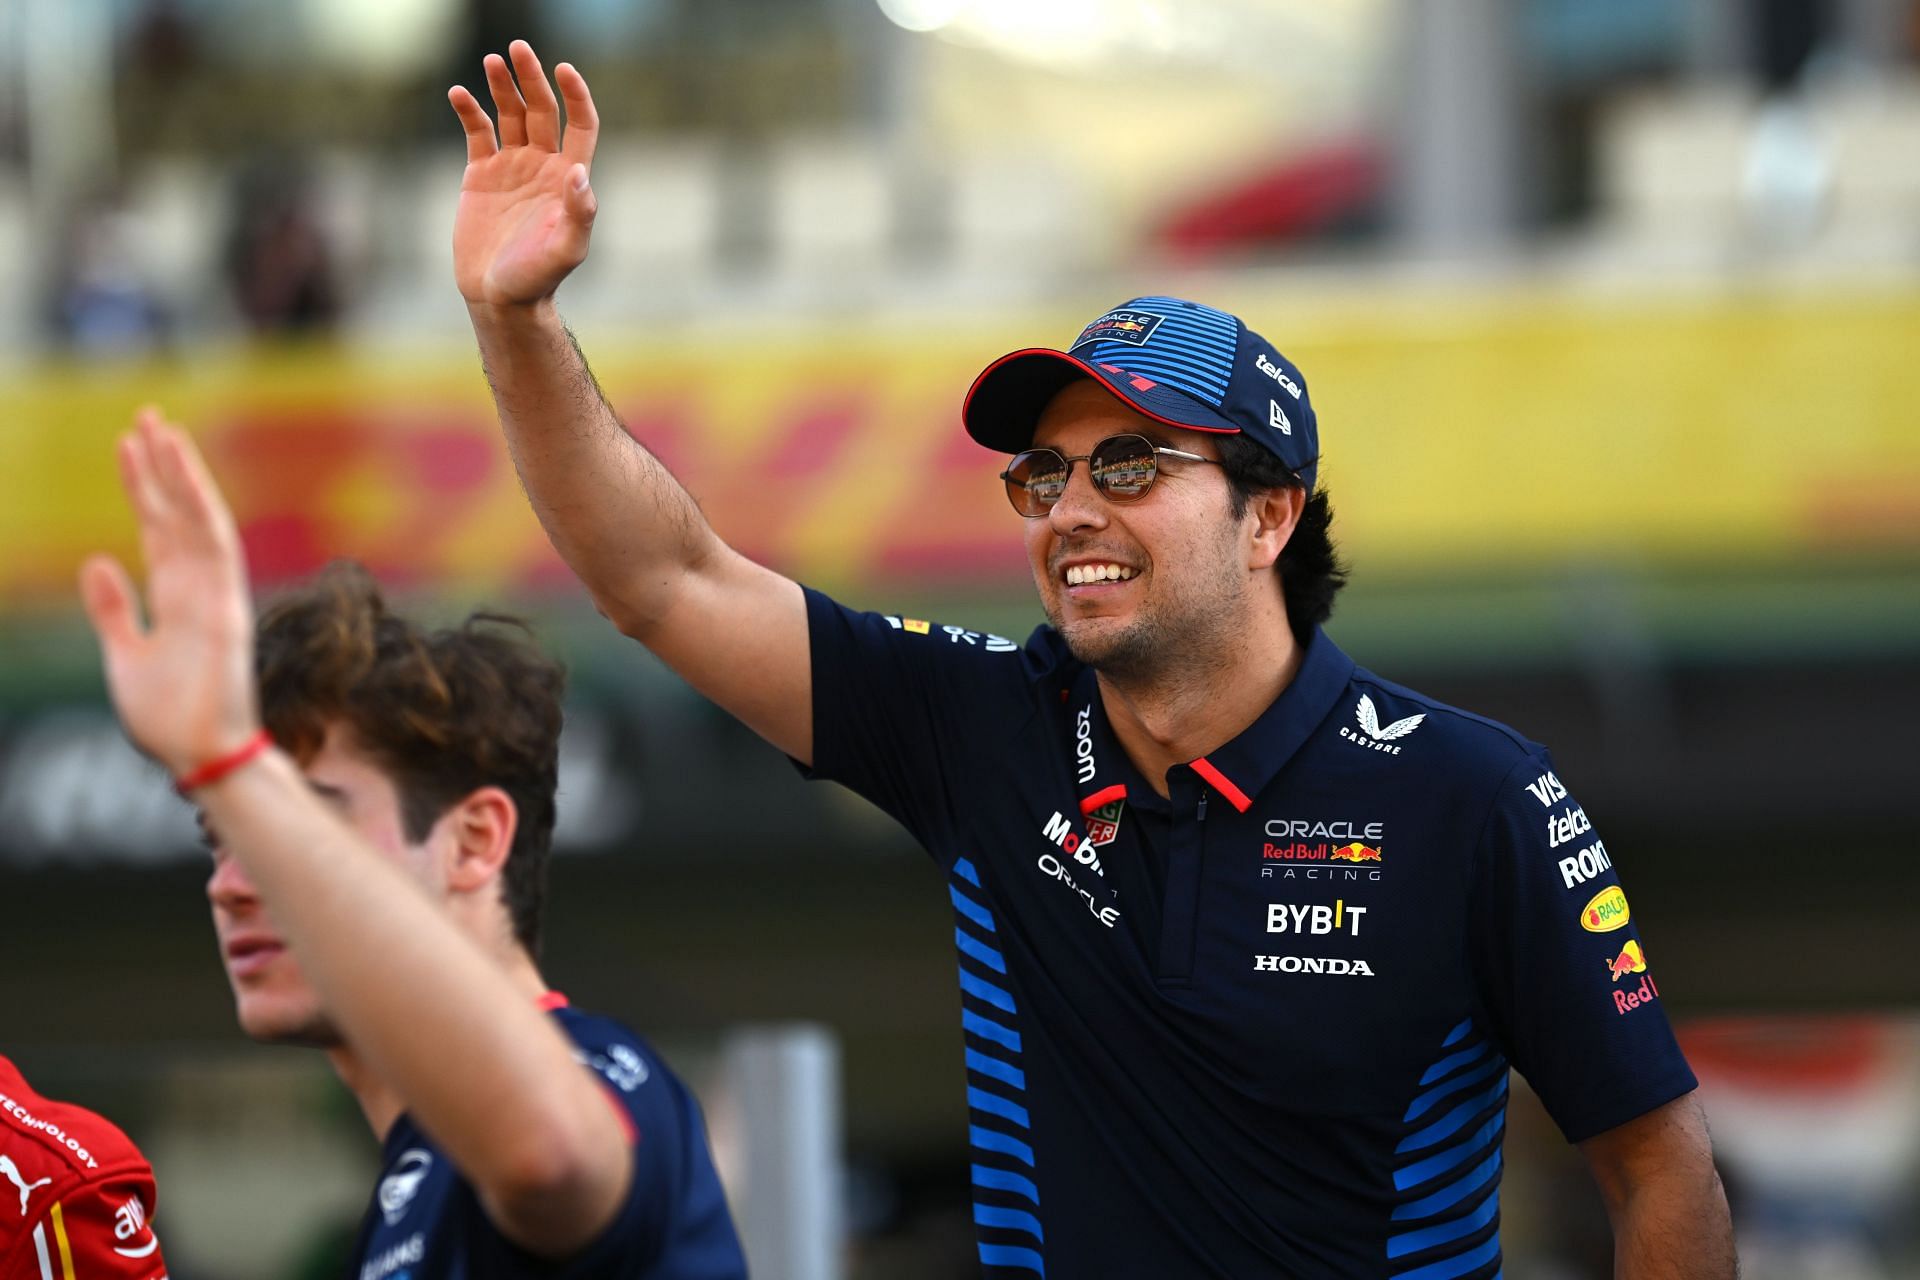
(1175, 361)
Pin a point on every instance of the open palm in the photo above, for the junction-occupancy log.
(526, 208)
(182, 681)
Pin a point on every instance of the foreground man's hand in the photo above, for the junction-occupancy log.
(182, 681)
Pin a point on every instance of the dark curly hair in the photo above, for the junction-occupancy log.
(442, 712)
(1311, 571)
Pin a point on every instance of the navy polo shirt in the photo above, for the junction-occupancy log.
(427, 1223)
(1261, 1027)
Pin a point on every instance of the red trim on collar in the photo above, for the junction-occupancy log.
(551, 1000)
(1235, 796)
(1104, 796)
(627, 1126)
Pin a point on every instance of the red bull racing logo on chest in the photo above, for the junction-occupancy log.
(1318, 848)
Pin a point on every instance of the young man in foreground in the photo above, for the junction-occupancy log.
(380, 802)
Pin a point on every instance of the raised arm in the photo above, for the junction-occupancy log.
(484, 1072)
(733, 629)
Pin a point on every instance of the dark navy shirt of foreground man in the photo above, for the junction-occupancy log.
(426, 1223)
(1262, 1027)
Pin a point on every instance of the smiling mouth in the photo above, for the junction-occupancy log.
(1081, 575)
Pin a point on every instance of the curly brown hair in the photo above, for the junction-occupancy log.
(443, 712)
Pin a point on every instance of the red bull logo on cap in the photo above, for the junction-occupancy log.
(1355, 852)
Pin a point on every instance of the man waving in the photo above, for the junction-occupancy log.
(1248, 937)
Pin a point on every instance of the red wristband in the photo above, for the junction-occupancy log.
(214, 770)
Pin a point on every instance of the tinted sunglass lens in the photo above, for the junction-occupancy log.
(1124, 466)
(1036, 479)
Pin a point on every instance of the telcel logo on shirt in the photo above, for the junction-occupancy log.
(1567, 826)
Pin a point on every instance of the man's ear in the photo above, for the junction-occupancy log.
(482, 825)
(1275, 513)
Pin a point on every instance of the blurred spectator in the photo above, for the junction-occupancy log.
(162, 42)
(484, 27)
(1786, 34)
(279, 261)
(160, 78)
(103, 303)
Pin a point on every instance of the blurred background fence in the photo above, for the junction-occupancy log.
(1611, 313)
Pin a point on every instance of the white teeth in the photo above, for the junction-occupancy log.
(1082, 574)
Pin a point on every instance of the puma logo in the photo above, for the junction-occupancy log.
(12, 1173)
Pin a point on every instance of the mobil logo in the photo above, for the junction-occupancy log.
(1059, 830)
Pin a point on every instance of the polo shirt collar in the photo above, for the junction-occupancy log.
(1240, 769)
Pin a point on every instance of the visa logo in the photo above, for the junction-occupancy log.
(1547, 789)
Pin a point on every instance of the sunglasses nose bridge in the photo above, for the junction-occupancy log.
(1082, 503)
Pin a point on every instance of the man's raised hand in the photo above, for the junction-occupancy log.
(182, 681)
(526, 208)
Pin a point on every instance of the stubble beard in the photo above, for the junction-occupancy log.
(307, 1029)
(1158, 644)
(1127, 653)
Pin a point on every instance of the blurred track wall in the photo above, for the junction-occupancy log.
(1462, 434)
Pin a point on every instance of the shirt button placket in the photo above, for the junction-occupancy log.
(1179, 917)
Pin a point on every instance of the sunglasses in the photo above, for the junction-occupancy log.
(1122, 468)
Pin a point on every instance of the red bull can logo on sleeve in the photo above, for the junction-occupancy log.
(1630, 960)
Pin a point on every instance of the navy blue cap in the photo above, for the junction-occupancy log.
(1175, 361)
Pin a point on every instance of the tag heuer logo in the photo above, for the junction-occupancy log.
(1374, 737)
(1103, 824)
